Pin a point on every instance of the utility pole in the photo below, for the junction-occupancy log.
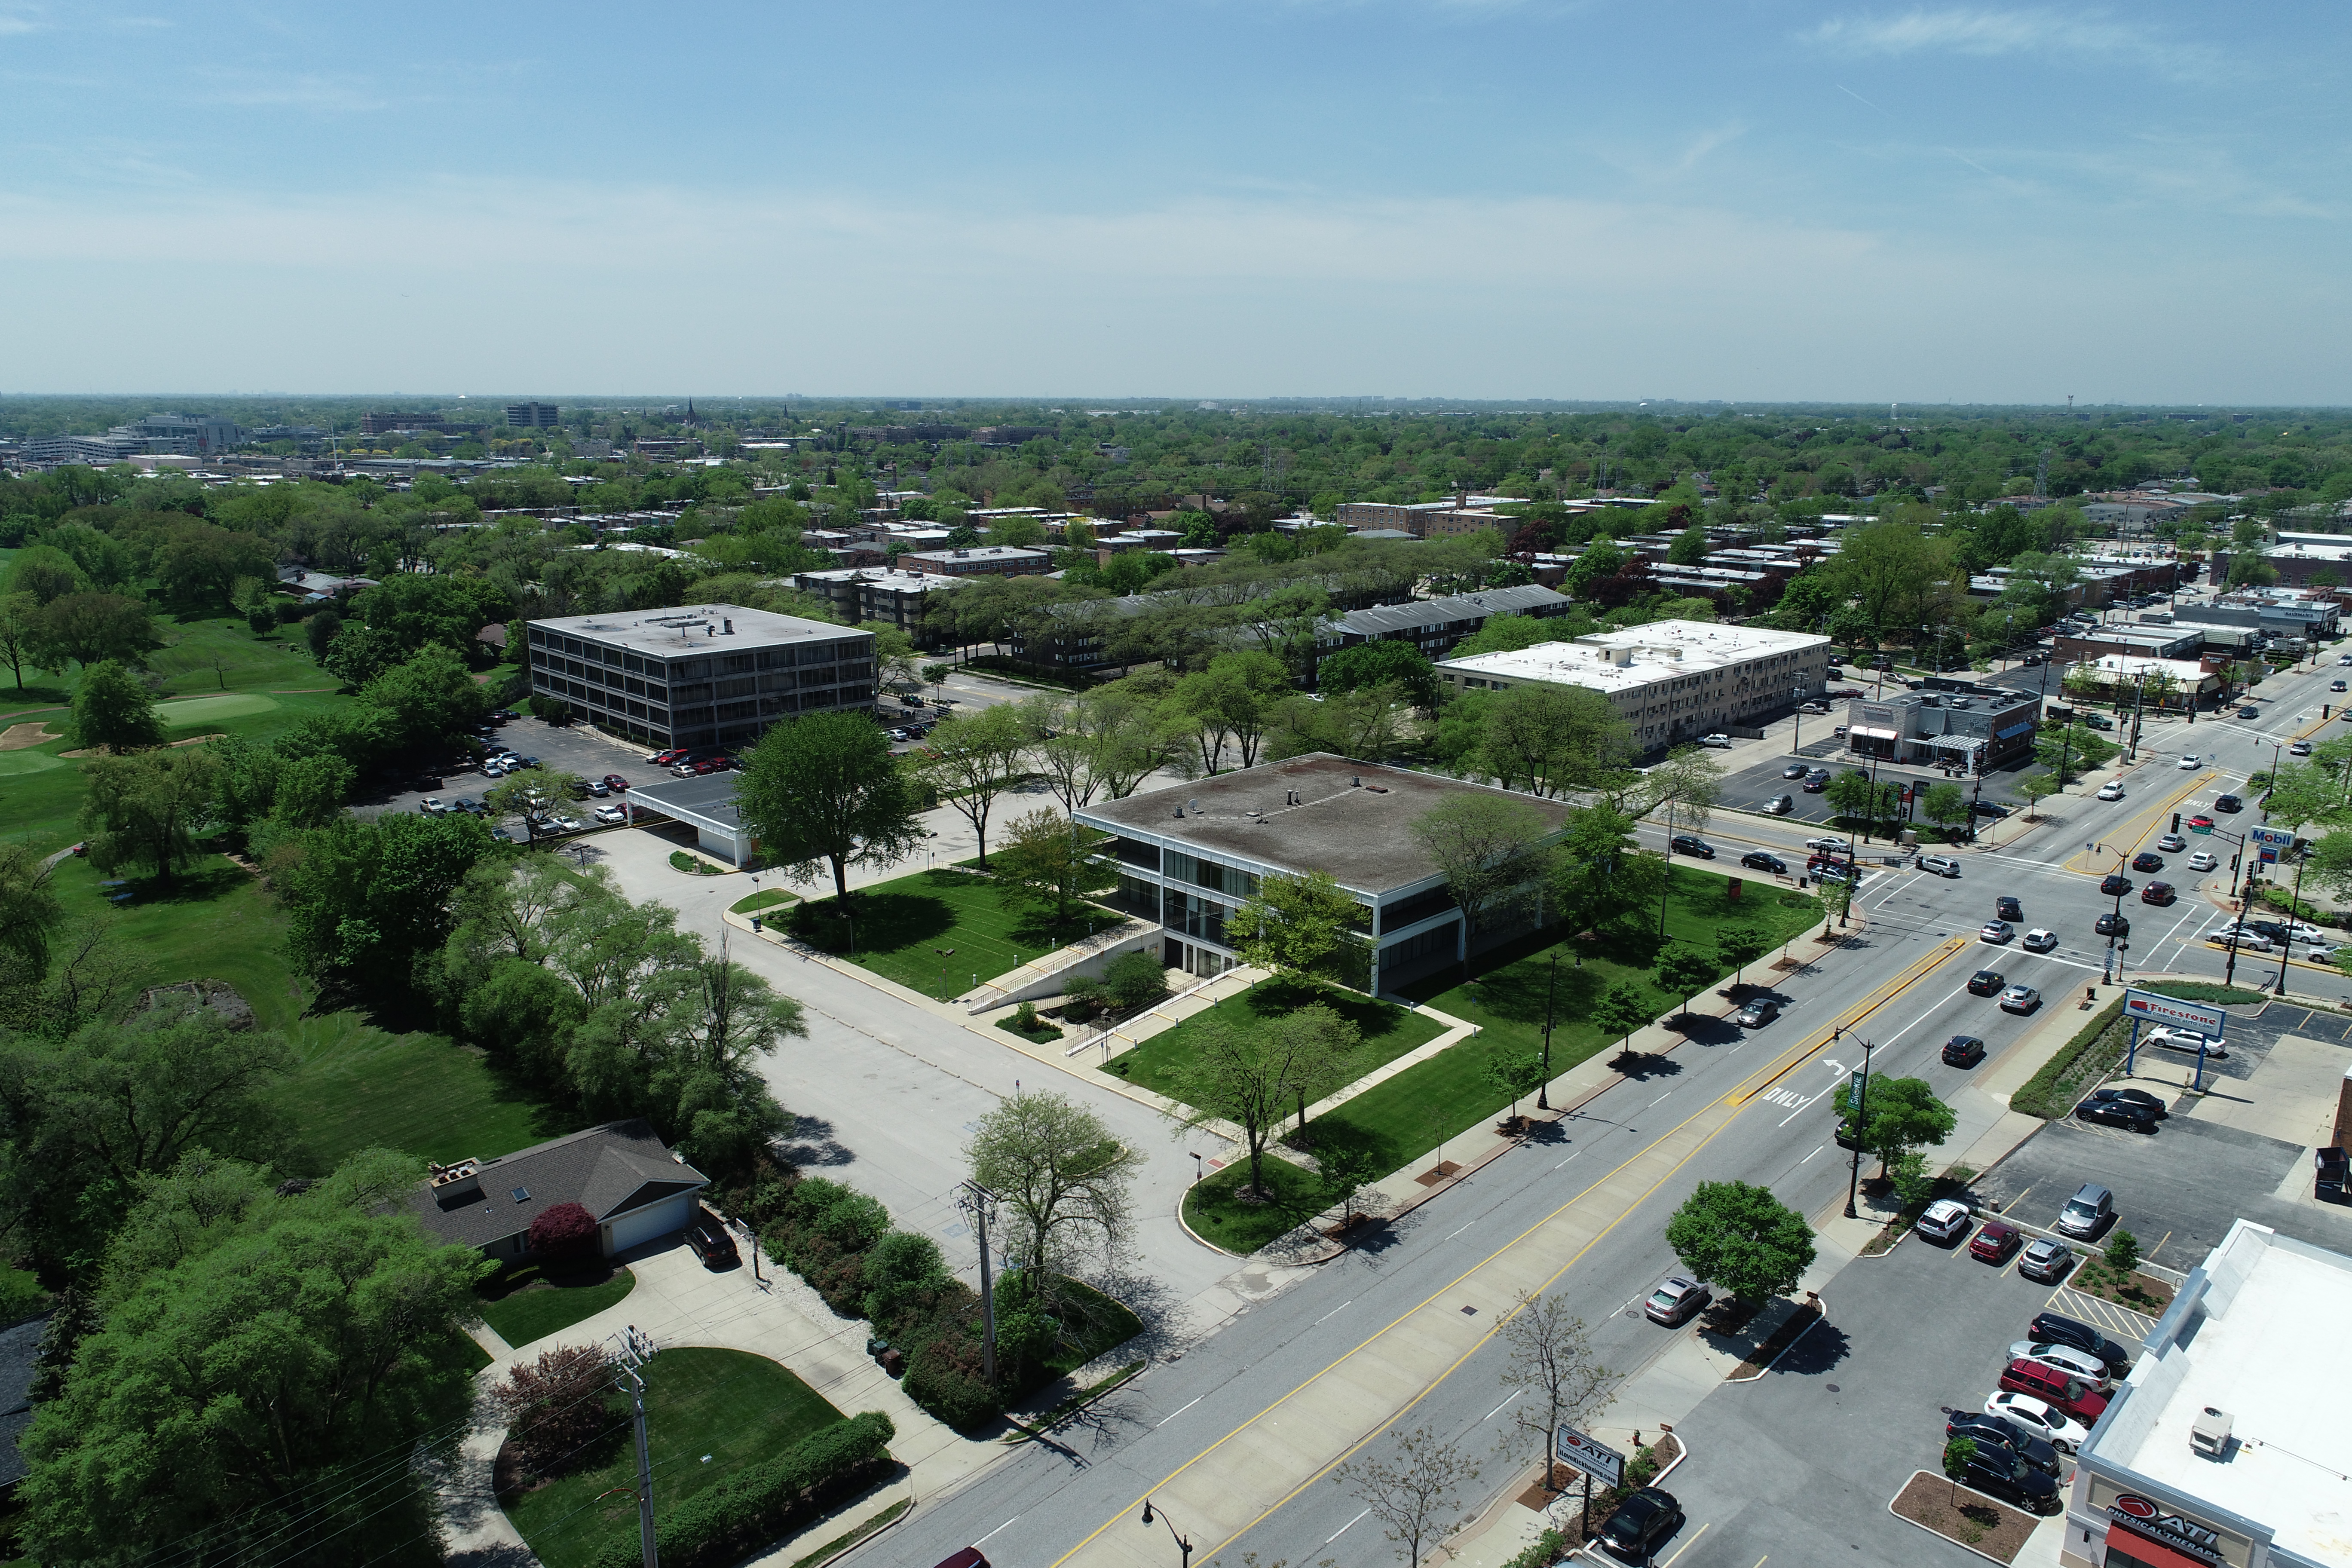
(1861, 1120)
(980, 1203)
(636, 1352)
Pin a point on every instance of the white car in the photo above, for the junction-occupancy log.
(2203, 861)
(2302, 933)
(2112, 790)
(494, 769)
(1829, 846)
(2189, 764)
(2067, 1358)
(2344, 659)
(2041, 939)
(1717, 741)
(432, 805)
(2189, 1040)
(2300, 749)
(2055, 1427)
(567, 825)
(610, 813)
(2172, 844)
(1996, 931)
(2244, 941)
(1939, 865)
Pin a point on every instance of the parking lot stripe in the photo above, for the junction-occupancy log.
(1685, 1546)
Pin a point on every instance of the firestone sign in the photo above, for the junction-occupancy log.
(2148, 1007)
(2163, 1525)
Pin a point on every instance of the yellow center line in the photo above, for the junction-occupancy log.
(2091, 865)
(1886, 994)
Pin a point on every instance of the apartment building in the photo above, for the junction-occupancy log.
(979, 561)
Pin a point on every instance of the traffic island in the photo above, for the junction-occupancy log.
(1967, 1519)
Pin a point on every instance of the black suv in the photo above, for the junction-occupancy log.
(2228, 803)
(1991, 1430)
(1756, 860)
(2114, 883)
(2124, 1113)
(2056, 1327)
(2001, 1474)
(1963, 1051)
(711, 1241)
(2113, 924)
(2007, 908)
(1650, 1516)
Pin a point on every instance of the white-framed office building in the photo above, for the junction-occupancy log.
(1671, 680)
(1190, 855)
(710, 675)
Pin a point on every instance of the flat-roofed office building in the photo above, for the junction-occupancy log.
(711, 675)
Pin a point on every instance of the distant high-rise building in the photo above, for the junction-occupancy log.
(531, 415)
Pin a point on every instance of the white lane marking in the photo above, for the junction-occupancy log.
(1801, 1107)
(1457, 1230)
(1009, 1523)
(1660, 1097)
(1923, 1017)
(1815, 1151)
(1494, 1412)
(1570, 1157)
(1345, 1528)
(1336, 1310)
(1174, 1414)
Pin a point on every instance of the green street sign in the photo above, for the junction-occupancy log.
(2195, 828)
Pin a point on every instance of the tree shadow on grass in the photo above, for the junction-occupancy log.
(199, 885)
(881, 923)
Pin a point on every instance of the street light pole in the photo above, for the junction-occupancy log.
(2294, 913)
(1861, 1120)
(1552, 990)
(1183, 1542)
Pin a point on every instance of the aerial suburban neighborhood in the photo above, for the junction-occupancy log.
(1636, 849)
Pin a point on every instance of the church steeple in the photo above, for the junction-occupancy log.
(689, 411)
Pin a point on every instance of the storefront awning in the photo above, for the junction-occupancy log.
(2014, 730)
(1858, 733)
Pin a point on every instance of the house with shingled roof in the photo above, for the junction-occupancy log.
(620, 1172)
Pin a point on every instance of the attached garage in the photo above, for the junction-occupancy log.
(624, 1176)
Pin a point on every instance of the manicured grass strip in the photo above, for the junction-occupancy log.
(1092, 1323)
(736, 1408)
(531, 1305)
(841, 1544)
(1217, 1214)
(1389, 1031)
(767, 898)
(2051, 1093)
(2203, 991)
(939, 930)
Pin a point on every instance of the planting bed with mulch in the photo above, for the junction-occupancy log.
(1568, 1484)
(2135, 1290)
(1978, 1523)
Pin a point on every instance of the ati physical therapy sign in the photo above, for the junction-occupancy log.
(2148, 1007)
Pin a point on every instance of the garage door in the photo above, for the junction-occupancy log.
(644, 1225)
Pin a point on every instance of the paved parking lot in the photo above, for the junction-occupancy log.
(568, 748)
(1800, 1465)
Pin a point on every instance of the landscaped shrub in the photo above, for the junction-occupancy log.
(1135, 980)
(744, 1512)
(562, 1231)
(556, 1408)
(903, 1273)
(944, 1376)
(2049, 1093)
(1085, 1000)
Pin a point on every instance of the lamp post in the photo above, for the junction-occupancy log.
(1551, 989)
(2112, 972)
(1797, 737)
(2294, 913)
(1861, 1120)
(1183, 1542)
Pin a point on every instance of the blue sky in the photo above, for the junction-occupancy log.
(1470, 198)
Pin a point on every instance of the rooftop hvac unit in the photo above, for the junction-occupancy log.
(2209, 1432)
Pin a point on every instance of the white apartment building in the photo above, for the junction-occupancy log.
(1671, 680)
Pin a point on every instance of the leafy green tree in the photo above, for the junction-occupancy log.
(2072, 750)
(198, 562)
(277, 1342)
(112, 709)
(320, 633)
(45, 573)
(1514, 1073)
(1946, 804)
(2122, 1253)
(1053, 864)
(1959, 1453)
(1684, 971)
(1690, 546)
(1510, 634)
(17, 637)
(428, 697)
(1062, 1178)
(1292, 925)
(1253, 1075)
(143, 810)
(409, 610)
(86, 628)
(970, 762)
(1905, 1115)
(1736, 947)
(1742, 1239)
(364, 900)
(1489, 850)
(824, 791)
(1387, 662)
(30, 913)
(1622, 1009)
(1548, 740)
(533, 794)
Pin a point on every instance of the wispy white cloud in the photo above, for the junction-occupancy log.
(1987, 32)
(15, 23)
(320, 94)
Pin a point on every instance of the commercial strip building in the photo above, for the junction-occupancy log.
(1671, 680)
(713, 675)
(1950, 724)
(2223, 1448)
(1188, 856)
(2169, 682)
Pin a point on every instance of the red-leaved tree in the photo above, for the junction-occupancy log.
(557, 1409)
(563, 1230)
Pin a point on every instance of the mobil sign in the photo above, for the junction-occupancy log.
(2148, 1007)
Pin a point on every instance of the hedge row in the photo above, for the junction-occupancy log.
(2049, 1094)
(729, 1522)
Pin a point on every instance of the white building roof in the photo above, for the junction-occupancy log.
(704, 628)
(1627, 660)
(2131, 666)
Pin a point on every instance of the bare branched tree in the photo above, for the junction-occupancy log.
(1415, 1495)
(1550, 1356)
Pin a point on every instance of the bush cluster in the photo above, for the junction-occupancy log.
(1129, 982)
(744, 1512)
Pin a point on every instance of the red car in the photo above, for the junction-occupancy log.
(2202, 821)
(664, 759)
(1995, 1240)
(2054, 1388)
(2156, 893)
(617, 784)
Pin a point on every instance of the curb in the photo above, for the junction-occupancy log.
(1592, 1547)
(1820, 1315)
(884, 1529)
(1196, 1235)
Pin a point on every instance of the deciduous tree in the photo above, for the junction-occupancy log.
(1052, 863)
(1489, 850)
(969, 761)
(1254, 1074)
(824, 791)
(1548, 1354)
(143, 810)
(1905, 1115)
(112, 709)
(1292, 924)
(1743, 1238)
(1062, 1177)
(1414, 1495)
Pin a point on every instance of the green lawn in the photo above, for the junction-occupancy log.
(938, 932)
(768, 899)
(1389, 1030)
(526, 1304)
(1214, 1211)
(708, 1414)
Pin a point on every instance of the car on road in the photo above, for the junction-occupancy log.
(1939, 865)
(1758, 1011)
(2019, 999)
(2172, 844)
(2250, 712)
(1986, 808)
(2203, 860)
(1982, 1428)
(1677, 1297)
(2243, 940)
(2287, 930)
(2060, 1390)
(1720, 742)
(2201, 823)
(1756, 860)
(1814, 707)
(2123, 1113)
(908, 700)
(2090, 1211)
(609, 814)
(2334, 686)
(2156, 893)
(432, 805)
(2112, 925)
(1963, 1051)
(2097, 721)
(2189, 764)
(2045, 1260)
(2041, 939)
(1689, 845)
(2035, 1416)
(2111, 790)
(1828, 870)
(2115, 883)
(1641, 1522)
(2229, 803)
(1986, 982)
(2300, 749)
(1944, 1221)
(2007, 908)
(2148, 860)
(1994, 1241)
(1828, 845)
(1995, 931)
(2171, 1038)
(1794, 770)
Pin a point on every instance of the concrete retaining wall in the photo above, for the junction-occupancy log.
(1051, 974)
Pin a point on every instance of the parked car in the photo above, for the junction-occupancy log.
(1756, 860)
(1688, 844)
(2172, 844)
(599, 788)
(432, 805)
(1995, 931)
(2037, 1416)
(2229, 804)
(1829, 844)
(2041, 939)
(2019, 999)
(1815, 786)
(1780, 805)
(665, 759)
(1986, 808)
(1795, 769)
(567, 825)
(2071, 1359)
(617, 784)
(2056, 1327)
(1994, 1241)
(2111, 790)
(1643, 1520)
(469, 806)
(1963, 1051)
(1720, 742)
(2157, 893)
(1977, 1426)
(2121, 1113)
(2045, 1260)
(2089, 1212)
(2170, 1037)
(609, 814)
(1944, 1221)
(1758, 1011)
(711, 1241)
(1998, 1473)
(2063, 1392)
(1985, 981)
(1939, 865)
(2006, 906)
(1676, 1298)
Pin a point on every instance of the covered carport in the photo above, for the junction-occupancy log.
(706, 804)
